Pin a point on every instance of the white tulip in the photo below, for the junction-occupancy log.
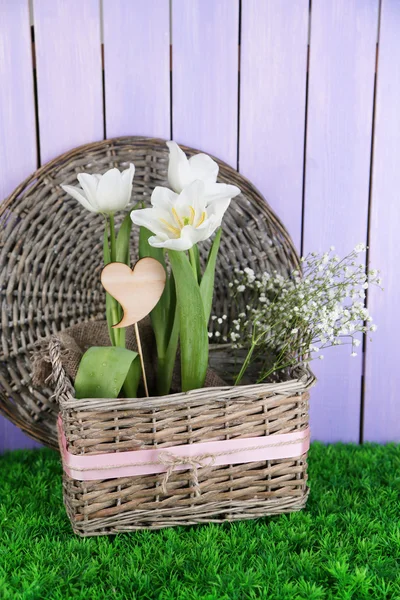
(104, 194)
(179, 221)
(183, 171)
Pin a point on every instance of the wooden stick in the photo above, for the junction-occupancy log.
(139, 345)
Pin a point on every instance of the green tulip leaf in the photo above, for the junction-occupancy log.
(159, 314)
(166, 360)
(193, 326)
(102, 372)
(207, 281)
(132, 380)
(106, 248)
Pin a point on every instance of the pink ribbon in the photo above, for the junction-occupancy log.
(165, 460)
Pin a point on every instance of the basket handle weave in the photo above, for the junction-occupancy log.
(59, 378)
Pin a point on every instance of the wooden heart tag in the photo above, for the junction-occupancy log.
(137, 290)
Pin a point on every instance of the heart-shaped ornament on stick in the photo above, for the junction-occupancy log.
(137, 290)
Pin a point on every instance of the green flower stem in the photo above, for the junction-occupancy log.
(254, 341)
(109, 298)
(278, 364)
(115, 308)
(112, 238)
(274, 369)
(245, 364)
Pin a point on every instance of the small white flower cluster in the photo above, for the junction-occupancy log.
(298, 316)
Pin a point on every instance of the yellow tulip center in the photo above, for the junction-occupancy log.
(179, 222)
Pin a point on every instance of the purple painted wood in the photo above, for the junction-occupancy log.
(68, 58)
(272, 104)
(17, 107)
(340, 108)
(137, 67)
(12, 438)
(205, 37)
(382, 403)
(17, 132)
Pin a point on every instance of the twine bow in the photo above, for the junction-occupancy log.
(171, 461)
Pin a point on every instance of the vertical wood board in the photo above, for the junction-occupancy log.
(137, 67)
(339, 130)
(69, 74)
(273, 75)
(382, 401)
(205, 36)
(17, 133)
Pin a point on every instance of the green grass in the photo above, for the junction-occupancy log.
(346, 544)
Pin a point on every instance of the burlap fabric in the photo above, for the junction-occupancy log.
(76, 340)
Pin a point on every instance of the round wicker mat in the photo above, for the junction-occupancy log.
(51, 258)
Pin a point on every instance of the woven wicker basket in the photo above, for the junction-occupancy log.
(50, 263)
(201, 492)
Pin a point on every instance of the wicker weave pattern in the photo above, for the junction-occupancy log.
(51, 258)
(227, 492)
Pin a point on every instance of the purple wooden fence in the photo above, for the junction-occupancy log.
(273, 82)
(301, 101)
(382, 377)
(337, 174)
(18, 156)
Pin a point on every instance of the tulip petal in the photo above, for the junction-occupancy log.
(217, 209)
(180, 244)
(110, 196)
(204, 167)
(193, 195)
(208, 225)
(217, 191)
(152, 219)
(163, 197)
(77, 193)
(196, 234)
(127, 179)
(179, 171)
(89, 184)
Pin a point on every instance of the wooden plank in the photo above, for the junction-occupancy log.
(69, 74)
(272, 104)
(340, 109)
(12, 438)
(17, 105)
(381, 422)
(17, 132)
(205, 75)
(136, 67)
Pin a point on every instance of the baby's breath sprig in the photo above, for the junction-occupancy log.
(298, 317)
